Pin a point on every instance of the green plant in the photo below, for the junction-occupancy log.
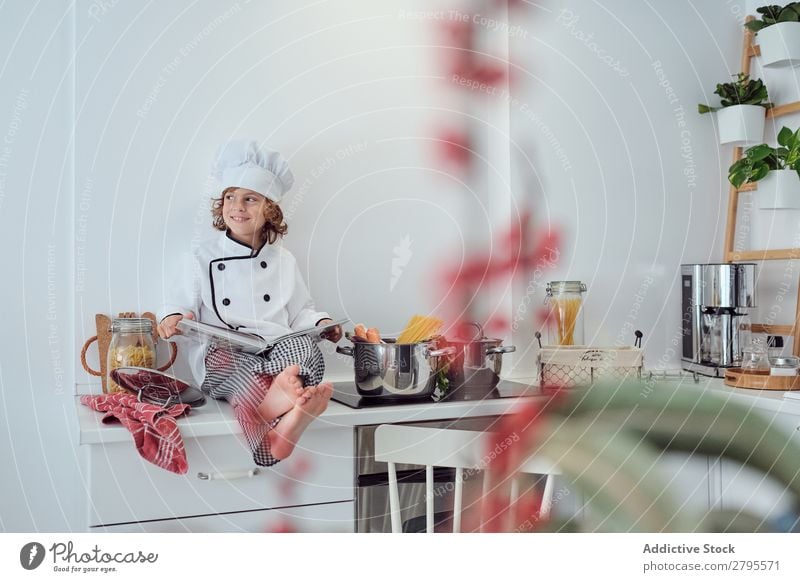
(608, 441)
(743, 91)
(760, 160)
(442, 382)
(773, 14)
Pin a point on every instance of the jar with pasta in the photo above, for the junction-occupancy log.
(131, 345)
(565, 323)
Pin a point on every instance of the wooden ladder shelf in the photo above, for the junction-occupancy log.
(749, 50)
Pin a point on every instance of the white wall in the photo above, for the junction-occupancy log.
(609, 149)
(40, 487)
(348, 92)
(155, 94)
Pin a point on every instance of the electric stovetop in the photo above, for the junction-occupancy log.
(346, 393)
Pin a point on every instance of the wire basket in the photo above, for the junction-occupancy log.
(572, 366)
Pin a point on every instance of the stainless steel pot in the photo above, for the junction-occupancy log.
(396, 371)
(474, 369)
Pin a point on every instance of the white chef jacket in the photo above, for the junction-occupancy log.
(226, 283)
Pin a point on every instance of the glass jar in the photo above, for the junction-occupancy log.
(784, 366)
(565, 321)
(745, 337)
(754, 358)
(774, 346)
(131, 345)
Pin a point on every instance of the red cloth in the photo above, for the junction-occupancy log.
(155, 430)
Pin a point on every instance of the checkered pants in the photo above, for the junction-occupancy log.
(244, 379)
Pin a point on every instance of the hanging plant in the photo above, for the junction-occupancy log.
(743, 91)
(760, 160)
(778, 32)
(773, 14)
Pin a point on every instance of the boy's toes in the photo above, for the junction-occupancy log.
(308, 394)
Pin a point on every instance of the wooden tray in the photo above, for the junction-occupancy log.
(735, 378)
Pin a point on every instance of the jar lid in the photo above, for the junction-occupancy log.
(565, 287)
(785, 362)
(131, 325)
(157, 387)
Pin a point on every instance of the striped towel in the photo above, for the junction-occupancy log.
(154, 429)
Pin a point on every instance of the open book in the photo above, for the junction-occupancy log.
(246, 342)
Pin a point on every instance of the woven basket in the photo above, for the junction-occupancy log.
(572, 366)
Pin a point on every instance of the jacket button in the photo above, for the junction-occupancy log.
(221, 266)
(226, 302)
(263, 264)
(266, 297)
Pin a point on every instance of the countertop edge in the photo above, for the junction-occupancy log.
(216, 417)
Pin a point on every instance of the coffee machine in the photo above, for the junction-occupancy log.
(715, 299)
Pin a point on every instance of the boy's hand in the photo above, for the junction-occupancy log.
(169, 325)
(332, 335)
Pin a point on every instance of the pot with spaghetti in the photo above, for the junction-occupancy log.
(565, 320)
(401, 368)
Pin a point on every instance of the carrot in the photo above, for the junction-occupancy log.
(360, 331)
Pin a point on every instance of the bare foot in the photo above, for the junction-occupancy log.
(285, 435)
(284, 391)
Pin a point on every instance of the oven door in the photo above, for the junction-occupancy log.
(372, 489)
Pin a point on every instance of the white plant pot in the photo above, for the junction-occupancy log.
(741, 125)
(780, 189)
(780, 44)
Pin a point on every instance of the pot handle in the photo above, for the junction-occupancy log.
(449, 351)
(344, 350)
(501, 350)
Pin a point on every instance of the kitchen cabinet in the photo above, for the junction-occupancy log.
(311, 491)
(320, 518)
(127, 489)
(315, 489)
(688, 478)
(747, 488)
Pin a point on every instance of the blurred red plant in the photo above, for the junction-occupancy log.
(520, 252)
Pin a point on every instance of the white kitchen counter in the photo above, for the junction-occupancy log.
(325, 498)
(316, 486)
(216, 417)
(767, 401)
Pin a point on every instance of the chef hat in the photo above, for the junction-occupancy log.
(243, 164)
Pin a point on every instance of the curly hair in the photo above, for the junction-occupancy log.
(274, 227)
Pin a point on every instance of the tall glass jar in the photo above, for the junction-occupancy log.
(565, 324)
(131, 345)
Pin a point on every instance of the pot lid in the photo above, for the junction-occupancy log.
(469, 331)
(157, 387)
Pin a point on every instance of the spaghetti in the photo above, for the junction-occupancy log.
(565, 311)
(420, 328)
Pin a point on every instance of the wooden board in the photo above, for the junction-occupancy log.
(750, 51)
(785, 109)
(769, 329)
(735, 378)
(765, 255)
(103, 324)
